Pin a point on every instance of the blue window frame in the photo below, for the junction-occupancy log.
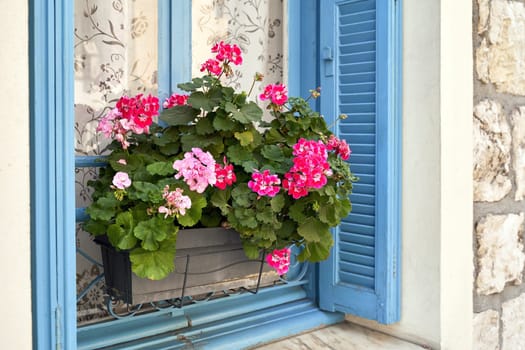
(230, 322)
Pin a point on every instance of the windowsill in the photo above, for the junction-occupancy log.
(342, 336)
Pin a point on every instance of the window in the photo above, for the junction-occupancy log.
(282, 310)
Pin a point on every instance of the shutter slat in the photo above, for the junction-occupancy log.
(363, 159)
(358, 269)
(357, 48)
(352, 278)
(362, 229)
(348, 130)
(363, 26)
(363, 149)
(365, 179)
(358, 35)
(359, 17)
(358, 108)
(357, 258)
(357, 249)
(358, 88)
(362, 199)
(364, 188)
(357, 78)
(363, 209)
(362, 219)
(367, 97)
(356, 7)
(363, 168)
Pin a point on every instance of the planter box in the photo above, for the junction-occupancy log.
(207, 260)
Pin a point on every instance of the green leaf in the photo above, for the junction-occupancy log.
(251, 250)
(242, 156)
(104, 208)
(96, 228)
(243, 195)
(252, 111)
(161, 168)
(153, 231)
(194, 214)
(154, 265)
(266, 216)
(223, 123)
(179, 115)
(273, 152)
(206, 102)
(317, 251)
(204, 126)
(277, 203)
(220, 199)
(297, 211)
(333, 213)
(202, 141)
(120, 234)
(193, 85)
(313, 229)
(170, 148)
(146, 192)
(246, 138)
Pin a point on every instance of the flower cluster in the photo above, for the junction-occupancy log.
(176, 202)
(264, 184)
(279, 259)
(131, 115)
(276, 93)
(213, 161)
(310, 168)
(197, 169)
(175, 100)
(225, 53)
(224, 175)
(339, 146)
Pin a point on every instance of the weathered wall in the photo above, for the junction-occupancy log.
(499, 174)
(15, 332)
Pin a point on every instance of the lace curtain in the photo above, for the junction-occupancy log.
(116, 53)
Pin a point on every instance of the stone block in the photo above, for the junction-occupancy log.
(492, 145)
(513, 321)
(500, 254)
(518, 151)
(499, 59)
(486, 331)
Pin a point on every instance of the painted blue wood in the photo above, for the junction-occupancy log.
(362, 275)
(52, 171)
(229, 323)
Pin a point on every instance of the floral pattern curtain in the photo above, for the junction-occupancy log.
(116, 53)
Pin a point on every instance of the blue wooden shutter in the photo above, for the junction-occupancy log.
(359, 62)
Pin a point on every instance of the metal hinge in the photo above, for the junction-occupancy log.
(58, 327)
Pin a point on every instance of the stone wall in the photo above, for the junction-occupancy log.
(499, 174)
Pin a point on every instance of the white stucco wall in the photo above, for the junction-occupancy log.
(15, 330)
(437, 176)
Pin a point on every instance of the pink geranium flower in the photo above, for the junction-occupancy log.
(197, 169)
(212, 66)
(176, 202)
(279, 259)
(175, 100)
(276, 93)
(225, 175)
(121, 180)
(264, 184)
